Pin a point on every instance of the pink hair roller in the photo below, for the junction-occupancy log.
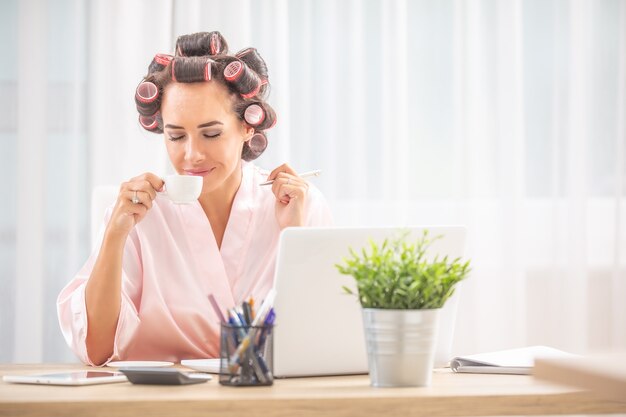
(173, 72)
(163, 59)
(216, 44)
(207, 70)
(238, 74)
(233, 71)
(253, 92)
(273, 122)
(254, 115)
(258, 143)
(147, 92)
(149, 122)
(243, 52)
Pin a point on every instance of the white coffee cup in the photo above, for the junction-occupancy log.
(182, 189)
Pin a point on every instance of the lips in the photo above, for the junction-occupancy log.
(200, 172)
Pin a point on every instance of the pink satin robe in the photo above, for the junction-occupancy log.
(172, 263)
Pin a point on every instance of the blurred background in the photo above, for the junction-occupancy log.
(505, 116)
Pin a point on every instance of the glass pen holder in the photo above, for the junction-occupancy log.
(246, 355)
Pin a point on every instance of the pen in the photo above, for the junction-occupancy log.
(216, 307)
(251, 303)
(260, 346)
(238, 322)
(242, 319)
(235, 358)
(233, 323)
(235, 361)
(314, 173)
(269, 321)
(247, 312)
(266, 305)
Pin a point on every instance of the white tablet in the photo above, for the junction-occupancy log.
(204, 365)
(139, 364)
(68, 378)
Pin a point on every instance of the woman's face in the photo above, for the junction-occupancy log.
(203, 135)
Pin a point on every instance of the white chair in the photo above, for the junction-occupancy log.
(102, 197)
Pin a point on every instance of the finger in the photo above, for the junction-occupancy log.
(282, 168)
(154, 180)
(139, 198)
(291, 190)
(146, 187)
(139, 212)
(283, 179)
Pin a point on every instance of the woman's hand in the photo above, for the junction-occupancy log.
(290, 191)
(133, 202)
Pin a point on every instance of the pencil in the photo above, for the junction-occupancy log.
(314, 173)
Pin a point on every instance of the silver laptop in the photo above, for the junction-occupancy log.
(318, 327)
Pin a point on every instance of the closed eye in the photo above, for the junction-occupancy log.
(175, 138)
(212, 136)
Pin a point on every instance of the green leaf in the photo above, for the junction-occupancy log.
(396, 274)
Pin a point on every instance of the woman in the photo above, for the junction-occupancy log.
(143, 295)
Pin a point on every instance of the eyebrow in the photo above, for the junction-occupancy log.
(207, 124)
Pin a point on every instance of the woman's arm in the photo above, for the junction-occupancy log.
(103, 292)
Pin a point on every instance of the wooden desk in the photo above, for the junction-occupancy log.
(603, 374)
(449, 395)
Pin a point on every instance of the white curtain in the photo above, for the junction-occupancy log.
(507, 117)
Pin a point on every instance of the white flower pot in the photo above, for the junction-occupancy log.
(400, 346)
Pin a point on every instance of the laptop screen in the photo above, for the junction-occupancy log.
(319, 329)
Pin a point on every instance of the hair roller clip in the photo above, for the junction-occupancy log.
(215, 43)
(207, 70)
(174, 71)
(163, 59)
(254, 115)
(149, 122)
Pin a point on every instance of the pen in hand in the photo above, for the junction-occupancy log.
(314, 173)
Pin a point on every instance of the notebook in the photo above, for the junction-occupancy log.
(319, 330)
(512, 361)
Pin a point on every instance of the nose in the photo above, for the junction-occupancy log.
(193, 150)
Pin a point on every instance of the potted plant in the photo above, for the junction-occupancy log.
(401, 290)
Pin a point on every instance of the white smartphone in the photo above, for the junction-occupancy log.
(68, 378)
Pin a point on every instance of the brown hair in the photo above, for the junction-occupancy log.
(202, 57)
